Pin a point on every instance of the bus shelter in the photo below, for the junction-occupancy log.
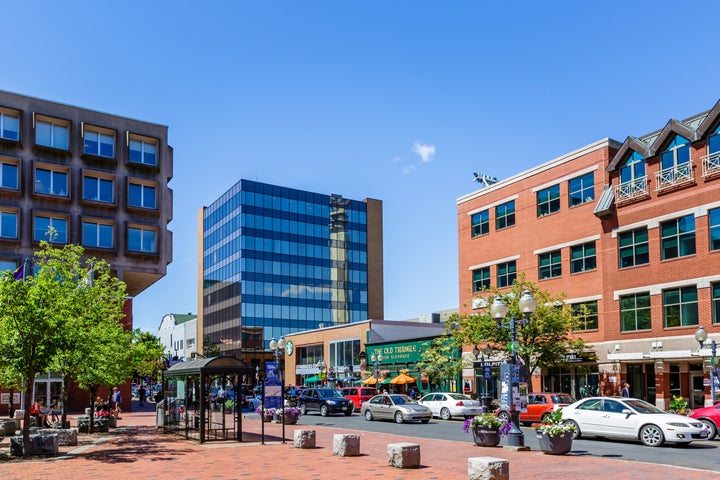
(202, 399)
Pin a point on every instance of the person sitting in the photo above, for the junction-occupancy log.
(36, 411)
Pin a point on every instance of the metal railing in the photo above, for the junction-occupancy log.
(674, 176)
(630, 190)
(710, 164)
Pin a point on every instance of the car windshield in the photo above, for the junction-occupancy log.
(328, 393)
(401, 399)
(563, 399)
(641, 406)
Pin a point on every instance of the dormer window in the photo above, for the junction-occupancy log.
(676, 153)
(633, 169)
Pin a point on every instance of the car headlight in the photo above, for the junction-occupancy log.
(678, 424)
(331, 402)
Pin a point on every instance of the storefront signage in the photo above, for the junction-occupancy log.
(399, 352)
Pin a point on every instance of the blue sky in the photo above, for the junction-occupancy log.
(395, 100)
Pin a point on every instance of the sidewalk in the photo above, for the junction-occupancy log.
(137, 449)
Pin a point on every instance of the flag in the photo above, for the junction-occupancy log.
(19, 272)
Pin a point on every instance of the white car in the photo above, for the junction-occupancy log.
(631, 418)
(447, 405)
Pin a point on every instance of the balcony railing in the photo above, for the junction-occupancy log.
(674, 176)
(710, 164)
(631, 190)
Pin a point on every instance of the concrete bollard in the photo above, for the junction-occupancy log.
(403, 455)
(304, 439)
(488, 468)
(346, 445)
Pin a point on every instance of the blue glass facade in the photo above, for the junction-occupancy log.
(278, 260)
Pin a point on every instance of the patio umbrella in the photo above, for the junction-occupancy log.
(350, 379)
(402, 379)
(312, 379)
(370, 381)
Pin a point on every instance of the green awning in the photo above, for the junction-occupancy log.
(385, 381)
(312, 379)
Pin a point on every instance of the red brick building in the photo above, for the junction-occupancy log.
(630, 230)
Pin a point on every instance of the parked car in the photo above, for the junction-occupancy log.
(710, 416)
(325, 401)
(631, 418)
(447, 405)
(396, 407)
(539, 406)
(358, 395)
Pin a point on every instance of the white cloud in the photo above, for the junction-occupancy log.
(426, 152)
(408, 169)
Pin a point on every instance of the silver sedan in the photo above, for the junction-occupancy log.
(396, 407)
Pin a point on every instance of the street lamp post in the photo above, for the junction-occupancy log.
(321, 369)
(485, 398)
(377, 360)
(278, 346)
(499, 311)
(701, 335)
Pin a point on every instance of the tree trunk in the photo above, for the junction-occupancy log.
(63, 399)
(11, 409)
(26, 418)
(93, 392)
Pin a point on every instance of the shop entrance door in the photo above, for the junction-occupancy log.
(697, 394)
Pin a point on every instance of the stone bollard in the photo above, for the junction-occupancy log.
(83, 424)
(403, 455)
(346, 445)
(488, 468)
(304, 439)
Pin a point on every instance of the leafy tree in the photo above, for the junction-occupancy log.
(210, 349)
(542, 343)
(96, 302)
(147, 354)
(32, 315)
(441, 357)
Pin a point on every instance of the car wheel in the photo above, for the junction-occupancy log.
(711, 425)
(303, 409)
(399, 417)
(504, 416)
(445, 414)
(348, 412)
(425, 420)
(368, 415)
(324, 410)
(652, 436)
(576, 433)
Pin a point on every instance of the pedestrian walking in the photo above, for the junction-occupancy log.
(626, 390)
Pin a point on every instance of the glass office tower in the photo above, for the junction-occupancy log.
(276, 260)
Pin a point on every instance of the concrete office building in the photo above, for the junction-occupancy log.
(276, 260)
(630, 230)
(100, 180)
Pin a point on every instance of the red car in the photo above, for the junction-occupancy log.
(710, 416)
(539, 406)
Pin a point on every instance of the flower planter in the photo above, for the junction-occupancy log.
(555, 444)
(290, 419)
(267, 417)
(485, 437)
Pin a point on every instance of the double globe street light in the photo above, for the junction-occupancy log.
(701, 336)
(499, 311)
